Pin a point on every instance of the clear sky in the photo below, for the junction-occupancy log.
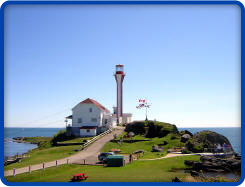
(184, 59)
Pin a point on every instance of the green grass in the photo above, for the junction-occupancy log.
(36, 139)
(138, 171)
(38, 156)
(144, 145)
(77, 140)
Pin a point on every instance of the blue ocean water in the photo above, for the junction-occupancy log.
(12, 148)
(232, 133)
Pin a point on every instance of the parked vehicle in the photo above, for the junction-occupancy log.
(79, 177)
(102, 156)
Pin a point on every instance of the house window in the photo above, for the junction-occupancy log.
(79, 120)
(90, 109)
(88, 130)
(94, 119)
(105, 121)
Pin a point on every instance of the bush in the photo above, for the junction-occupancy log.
(185, 151)
(190, 146)
(137, 127)
(160, 129)
(60, 137)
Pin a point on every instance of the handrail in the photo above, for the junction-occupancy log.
(96, 137)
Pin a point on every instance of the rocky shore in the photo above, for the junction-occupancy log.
(214, 164)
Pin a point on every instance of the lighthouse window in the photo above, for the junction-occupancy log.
(79, 120)
(90, 109)
(94, 119)
(105, 121)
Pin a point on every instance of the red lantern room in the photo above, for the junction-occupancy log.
(119, 69)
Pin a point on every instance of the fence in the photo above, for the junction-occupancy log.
(66, 161)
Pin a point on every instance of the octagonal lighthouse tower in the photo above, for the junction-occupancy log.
(119, 76)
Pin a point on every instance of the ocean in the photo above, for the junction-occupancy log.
(12, 148)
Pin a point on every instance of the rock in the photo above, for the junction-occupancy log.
(186, 132)
(176, 179)
(131, 134)
(185, 138)
(194, 173)
(211, 163)
(138, 151)
(189, 162)
(156, 148)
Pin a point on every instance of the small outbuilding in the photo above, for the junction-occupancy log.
(115, 161)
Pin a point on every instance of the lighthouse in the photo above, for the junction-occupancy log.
(119, 76)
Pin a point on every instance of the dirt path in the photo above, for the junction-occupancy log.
(90, 153)
(178, 154)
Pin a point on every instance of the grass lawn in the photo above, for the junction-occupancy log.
(38, 156)
(144, 145)
(138, 171)
(37, 139)
(77, 140)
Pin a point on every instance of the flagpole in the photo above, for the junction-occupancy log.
(146, 110)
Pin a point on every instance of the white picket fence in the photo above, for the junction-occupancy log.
(96, 138)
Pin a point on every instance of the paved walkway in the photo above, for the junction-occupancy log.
(89, 153)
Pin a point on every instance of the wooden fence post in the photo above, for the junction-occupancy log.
(43, 165)
(84, 162)
(56, 163)
(29, 169)
(14, 172)
(67, 161)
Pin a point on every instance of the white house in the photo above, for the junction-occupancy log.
(90, 118)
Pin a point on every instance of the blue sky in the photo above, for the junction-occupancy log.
(184, 59)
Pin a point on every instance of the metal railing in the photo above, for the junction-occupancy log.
(96, 138)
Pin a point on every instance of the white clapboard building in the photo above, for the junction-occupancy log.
(90, 118)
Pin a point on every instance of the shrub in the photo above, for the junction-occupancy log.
(60, 136)
(190, 146)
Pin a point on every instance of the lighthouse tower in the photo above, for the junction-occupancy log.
(119, 76)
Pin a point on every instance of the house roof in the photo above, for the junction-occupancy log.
(91, 101)
(69, 117)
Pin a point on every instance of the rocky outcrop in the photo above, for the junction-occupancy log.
(156, 148)
(213, 164)
(206, 140)
(209, 138)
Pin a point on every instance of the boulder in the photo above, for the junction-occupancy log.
(186, 132)
(176, 179)
(156, 148)
(194, 173)
(138, 151)
(189, 162)
(131, 134)
(185, 138)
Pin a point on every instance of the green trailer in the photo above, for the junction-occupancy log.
(115, 161)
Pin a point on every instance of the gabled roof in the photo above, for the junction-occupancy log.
(91, 101)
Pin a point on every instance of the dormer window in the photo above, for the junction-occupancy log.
(90, 109)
